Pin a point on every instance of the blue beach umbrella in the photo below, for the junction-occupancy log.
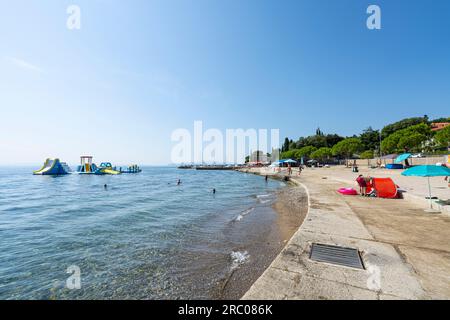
(402, 157)
(276, 164)
(427, 171)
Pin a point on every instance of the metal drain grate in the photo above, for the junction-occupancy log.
(336, 255)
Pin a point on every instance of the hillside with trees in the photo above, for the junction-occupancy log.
(407, 135)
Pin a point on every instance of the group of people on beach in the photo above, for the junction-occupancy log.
(289, 169)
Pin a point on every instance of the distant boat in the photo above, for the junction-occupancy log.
(186, 167)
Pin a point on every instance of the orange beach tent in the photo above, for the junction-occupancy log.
(385, 188)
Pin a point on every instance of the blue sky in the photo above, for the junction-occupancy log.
(137, 70)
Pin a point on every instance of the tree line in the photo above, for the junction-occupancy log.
(407, 135)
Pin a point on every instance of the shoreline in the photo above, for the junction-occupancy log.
(288, 211)
(291, 209)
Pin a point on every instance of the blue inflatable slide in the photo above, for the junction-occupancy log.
(53, 167)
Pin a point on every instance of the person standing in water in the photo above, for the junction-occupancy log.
(267, 178)
(105, 186)
(178, 182)
(214, 191)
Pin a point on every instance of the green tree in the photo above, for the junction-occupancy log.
(317, 141)
(288, 154)
(411, 142)
(322, 154)
(442, 137)
(440, 120)
(422, 128)
(292, 145)
(389, 145)
(285, 146)
(346, 148)
(392, 143)
(305, 152)
(368, 154)
(332, 139)
(370, 139)
(301, 142)
(402, 124)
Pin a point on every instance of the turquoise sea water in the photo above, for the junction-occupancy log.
(143, 237)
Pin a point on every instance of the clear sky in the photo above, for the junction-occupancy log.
(137, 70)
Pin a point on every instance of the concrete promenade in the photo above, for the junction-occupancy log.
(406, 251)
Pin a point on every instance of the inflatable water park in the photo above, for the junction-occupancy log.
(54, 167)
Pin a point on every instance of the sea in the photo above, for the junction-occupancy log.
(141, 237)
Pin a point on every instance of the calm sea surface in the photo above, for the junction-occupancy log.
(142, 238)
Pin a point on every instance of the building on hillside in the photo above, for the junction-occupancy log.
(438, 126)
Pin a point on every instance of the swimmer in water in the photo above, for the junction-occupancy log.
(178, 182)
(105, 186)
(214, 191)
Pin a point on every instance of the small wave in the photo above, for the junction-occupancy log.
(264, 198)
(243, 214)
(238, 258)
(246, 212)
